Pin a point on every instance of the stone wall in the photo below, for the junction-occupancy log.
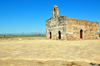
(54, 25)
(51, 26)
(90, 29)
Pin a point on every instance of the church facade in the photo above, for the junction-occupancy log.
(64, 28)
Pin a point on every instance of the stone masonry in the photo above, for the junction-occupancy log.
(62, 27)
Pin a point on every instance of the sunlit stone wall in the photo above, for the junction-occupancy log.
(90, 30)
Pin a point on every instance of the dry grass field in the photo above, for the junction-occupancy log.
(43, 52)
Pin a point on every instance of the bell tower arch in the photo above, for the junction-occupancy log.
(55, 11)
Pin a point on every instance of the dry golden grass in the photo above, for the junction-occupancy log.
(49, 52)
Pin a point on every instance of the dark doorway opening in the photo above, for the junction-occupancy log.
(81, 33)
(59, 35)
(50, 35)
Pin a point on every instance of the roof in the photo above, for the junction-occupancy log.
(79, 19)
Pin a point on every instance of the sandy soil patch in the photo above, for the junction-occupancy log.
(49, 52)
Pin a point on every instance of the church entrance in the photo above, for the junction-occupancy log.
(50, 35)
(59, 35)
(81, 33)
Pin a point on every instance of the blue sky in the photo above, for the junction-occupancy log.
(27, 16)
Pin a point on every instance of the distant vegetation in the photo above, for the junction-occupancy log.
(21, 36)
(99, 35)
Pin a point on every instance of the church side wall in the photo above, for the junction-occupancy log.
(90, 30)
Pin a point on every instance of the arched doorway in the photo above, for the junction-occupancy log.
(59, 34)
(50, 35)
(81, 34)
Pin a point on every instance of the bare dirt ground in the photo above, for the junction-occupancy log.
(42, 52)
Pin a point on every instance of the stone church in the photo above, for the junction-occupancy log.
(64, 28)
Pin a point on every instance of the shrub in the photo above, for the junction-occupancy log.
(1, 37)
